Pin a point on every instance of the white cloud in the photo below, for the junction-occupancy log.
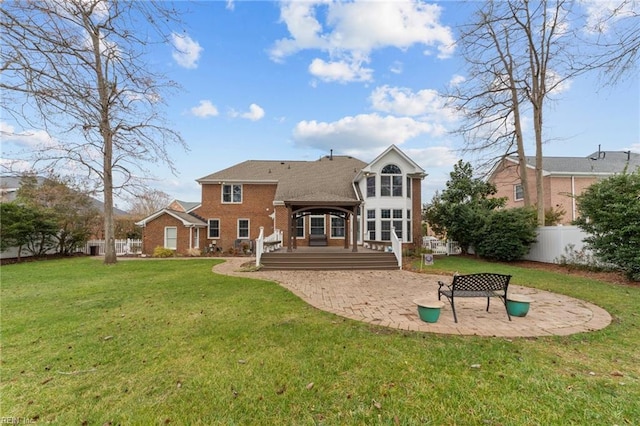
(340, 71)
(27, 139)
(255, 113)
(396, 67)
(434, 156)
(186, 51)
(230, 5)
(303, 27)
(352, 30)
(603, 14)
(205, 109)
(364, 131)
(427, 103)
(456, 80)
(634, 148)
(556, 84)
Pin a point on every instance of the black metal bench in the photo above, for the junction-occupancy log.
(475, 285)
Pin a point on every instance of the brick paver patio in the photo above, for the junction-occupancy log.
(386, 298)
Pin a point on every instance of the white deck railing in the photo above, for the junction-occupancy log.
(396, 244)
(441, 247)
(266, 244)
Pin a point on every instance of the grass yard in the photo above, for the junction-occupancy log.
(169, 342)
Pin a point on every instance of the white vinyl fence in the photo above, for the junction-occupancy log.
(554, 241)
(436, 246)
(123, 247)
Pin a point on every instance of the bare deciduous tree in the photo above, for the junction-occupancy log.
(612, 37)
(518, 53)
(78, 69)
(148, 203)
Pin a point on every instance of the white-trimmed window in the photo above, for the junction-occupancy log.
(243, 228)
(171, 237)
(214, 228)
(300, 227)
(397, 222)
(232, 194)
(337, 227)
(408, 224)
(371, 224)
(518, 192)
(371, 186)
(408, 187)
(316, 225)
(391, 181)
(385, 224)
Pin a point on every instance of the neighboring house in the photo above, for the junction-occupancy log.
(334, 201)
(563, 178)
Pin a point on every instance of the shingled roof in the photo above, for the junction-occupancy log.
(328, 179)
(598, 163)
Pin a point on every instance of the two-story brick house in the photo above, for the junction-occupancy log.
(335, 201)
(563, 178)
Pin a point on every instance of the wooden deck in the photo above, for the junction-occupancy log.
(328, 258)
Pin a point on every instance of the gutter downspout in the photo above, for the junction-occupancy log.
(573, 198)
(355, 218)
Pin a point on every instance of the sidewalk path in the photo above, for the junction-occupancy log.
(386, 298)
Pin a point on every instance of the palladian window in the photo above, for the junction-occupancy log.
(391, 181)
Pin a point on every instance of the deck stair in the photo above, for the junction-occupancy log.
(328, 260)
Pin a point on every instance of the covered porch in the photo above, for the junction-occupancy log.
(345, 210)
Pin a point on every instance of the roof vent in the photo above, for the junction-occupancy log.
(601, 154)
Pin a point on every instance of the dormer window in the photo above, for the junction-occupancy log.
(391, 181)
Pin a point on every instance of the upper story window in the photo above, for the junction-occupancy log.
(391, 181)
(232, 193)
(518, 192)
(371, 186)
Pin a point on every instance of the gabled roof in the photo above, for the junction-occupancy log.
(416, 169)
(187, 219)
(329, 178)
(184, 206)
(598, 163)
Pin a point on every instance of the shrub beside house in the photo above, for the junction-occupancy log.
(335, 201)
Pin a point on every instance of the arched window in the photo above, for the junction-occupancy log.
(391, 181)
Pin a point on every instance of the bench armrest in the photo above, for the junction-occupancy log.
(442, 284)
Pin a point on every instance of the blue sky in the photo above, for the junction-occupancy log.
(290, 81)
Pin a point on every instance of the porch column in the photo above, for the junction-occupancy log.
(346, 231)
(294, 229)
(289, 234)
(354, 230)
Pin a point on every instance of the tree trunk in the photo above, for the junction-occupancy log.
(522, 161)
(537, 121)
(107, 136)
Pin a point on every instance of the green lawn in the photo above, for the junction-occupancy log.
(169, 342)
